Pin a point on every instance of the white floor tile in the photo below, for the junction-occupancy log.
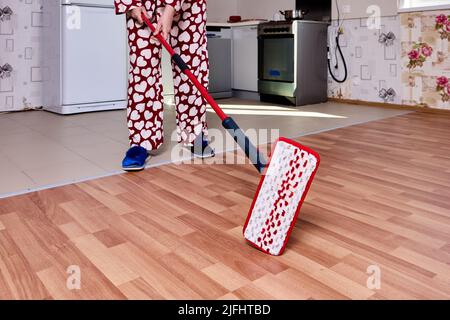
(64, 172)
(40, 148)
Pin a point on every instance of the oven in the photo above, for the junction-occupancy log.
(276, 53)
(276, 59)
(292, 61)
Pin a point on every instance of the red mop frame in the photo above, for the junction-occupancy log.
(308, 185)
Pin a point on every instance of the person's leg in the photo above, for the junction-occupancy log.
(145, 99)
(188, 38)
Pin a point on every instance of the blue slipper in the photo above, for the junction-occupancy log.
(135, 159)
(201, 148)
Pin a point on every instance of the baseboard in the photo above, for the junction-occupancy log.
(390, 105)
(248, 95)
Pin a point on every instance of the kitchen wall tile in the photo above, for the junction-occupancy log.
(373, 67)
(20, 42)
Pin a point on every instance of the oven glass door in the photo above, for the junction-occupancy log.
(276, 58)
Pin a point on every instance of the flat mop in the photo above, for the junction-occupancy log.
(284, 186)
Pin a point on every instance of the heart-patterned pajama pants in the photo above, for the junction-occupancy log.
(145, 99)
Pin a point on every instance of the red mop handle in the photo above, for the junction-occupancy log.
(232, 127)
(185, 69)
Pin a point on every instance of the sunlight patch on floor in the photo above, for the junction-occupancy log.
(265, 110)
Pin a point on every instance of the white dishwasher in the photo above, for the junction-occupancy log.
(220, 64)
(85, 56)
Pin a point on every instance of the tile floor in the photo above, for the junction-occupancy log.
(39, 149)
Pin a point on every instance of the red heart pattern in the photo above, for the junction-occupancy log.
(145, 92)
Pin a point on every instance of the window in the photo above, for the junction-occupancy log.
(409, 5)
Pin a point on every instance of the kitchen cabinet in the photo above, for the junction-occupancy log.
(245, 58)
(241, 60)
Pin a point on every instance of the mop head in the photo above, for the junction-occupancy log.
(280, 195)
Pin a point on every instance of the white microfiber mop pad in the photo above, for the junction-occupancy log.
(280, 195)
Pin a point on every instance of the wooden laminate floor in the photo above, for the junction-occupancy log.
(381, 197)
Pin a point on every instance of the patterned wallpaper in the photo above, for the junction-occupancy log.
(413, 70)
(373, 60)
(426, 59)
(20, 75)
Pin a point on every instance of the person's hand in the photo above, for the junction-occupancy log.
(164, 25)
(136, 14)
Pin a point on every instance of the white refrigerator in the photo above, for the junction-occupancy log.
(85, 56)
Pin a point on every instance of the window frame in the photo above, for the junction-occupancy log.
(402, 9)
